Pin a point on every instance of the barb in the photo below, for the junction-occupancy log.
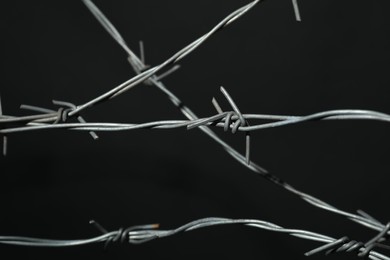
(142, 52)
(5, 139)
(168, 72)
(144, 233)
(296, 10)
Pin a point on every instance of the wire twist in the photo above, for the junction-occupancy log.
(121, 235)
(345, 244)
(144, 233)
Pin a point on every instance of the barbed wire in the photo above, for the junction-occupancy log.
(137, 64)
(145, 233)
(231, 120)
(228, 120)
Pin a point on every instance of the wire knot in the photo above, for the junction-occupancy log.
(234, 121)
(122, 235)
(240, 121)
(62, 115)
(345, 244)
(227, 118)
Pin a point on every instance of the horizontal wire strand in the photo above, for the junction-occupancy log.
(145, 233)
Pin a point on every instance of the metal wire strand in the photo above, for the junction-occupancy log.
(138, 63)
(144, 233)
(331, 244)
(5, 139)
(228, 120)
(48, 118)
(120, 235)
(296, 10)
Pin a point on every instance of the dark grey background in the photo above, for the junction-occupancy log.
(52, 183)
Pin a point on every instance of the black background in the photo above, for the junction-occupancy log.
(53, 182)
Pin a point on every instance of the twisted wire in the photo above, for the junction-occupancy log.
(228, 120)
(117, 236)
(5, 138)
(142, 76)
(145, 233)
(331, 244)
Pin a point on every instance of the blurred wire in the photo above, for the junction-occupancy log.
(296, 10)
(5, 139)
